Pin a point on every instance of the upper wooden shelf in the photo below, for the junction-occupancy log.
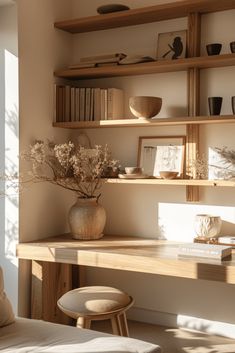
(221, 119)
(161, 66)
(144, 15)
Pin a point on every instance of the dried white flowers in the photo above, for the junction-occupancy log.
(72, 167)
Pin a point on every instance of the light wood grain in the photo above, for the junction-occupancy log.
(173, 182)
(129, 254)
(144, 15)
(154, 67)
(222, 119)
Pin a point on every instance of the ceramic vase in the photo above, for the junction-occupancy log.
(87, 219)
(215, 104)
(207, 226)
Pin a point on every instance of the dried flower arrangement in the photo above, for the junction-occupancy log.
(72, 167)
(199, 167)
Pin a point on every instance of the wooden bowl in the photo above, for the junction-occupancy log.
(145, 107)
(168, 174)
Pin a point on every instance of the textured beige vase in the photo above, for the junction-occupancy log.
(87, 219)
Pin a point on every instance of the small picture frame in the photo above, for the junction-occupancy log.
(172, 45)
(161, 153)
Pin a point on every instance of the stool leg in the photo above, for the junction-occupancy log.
(116, 326)
(87, 323)
(124, 326)
(81, 322)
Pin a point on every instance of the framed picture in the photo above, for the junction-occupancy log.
(171, 45)
(161, 153)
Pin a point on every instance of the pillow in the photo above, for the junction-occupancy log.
(6, 312)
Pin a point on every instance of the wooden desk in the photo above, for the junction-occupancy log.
(53, 275)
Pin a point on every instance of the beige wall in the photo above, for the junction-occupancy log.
(162, 211)
(41, 50)
(146, 210)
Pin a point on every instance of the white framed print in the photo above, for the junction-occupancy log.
(172, 45)
(161, 153)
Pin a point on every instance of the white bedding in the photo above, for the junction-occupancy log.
(35, 336)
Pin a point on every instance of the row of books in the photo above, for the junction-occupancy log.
(87, 104)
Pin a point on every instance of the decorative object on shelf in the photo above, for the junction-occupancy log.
(111, 8)
(215, 104)
(207, 226)
(133, 170)
(161, 153)
(77, 169)
(167, 174)
(214, 48)
(232, 47)
(198, 167)
(135, 59)
(221, 163)
(145, 107)
(233, 104)
(171, 45)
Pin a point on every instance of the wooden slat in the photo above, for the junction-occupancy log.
(222, 119)
(192, 136)
(154, 67)
(129, 254)
(144, 15)
(36, 291)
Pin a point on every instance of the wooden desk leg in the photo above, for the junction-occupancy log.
(49, 282)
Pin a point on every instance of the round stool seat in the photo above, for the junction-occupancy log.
(92, 301)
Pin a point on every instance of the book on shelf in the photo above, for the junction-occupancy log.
(87, 103)
(103, 57)
(67, 103)
(209, 251)
(97, 104)
(115, 109)
(72, 104)
(103, 103)
(227, 240)
(77, 103)
(82, 104)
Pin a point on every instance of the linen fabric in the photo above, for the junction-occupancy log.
(6, 312)
(27, 335)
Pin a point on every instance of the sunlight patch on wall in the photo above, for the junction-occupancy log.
(176, 221)
(11, 152)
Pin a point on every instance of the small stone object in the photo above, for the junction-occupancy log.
(111, 8)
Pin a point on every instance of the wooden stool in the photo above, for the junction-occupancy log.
(97, 303)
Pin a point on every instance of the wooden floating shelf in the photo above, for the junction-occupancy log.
(145, 123)
(174, 182)
(144, 15)
(154, 67)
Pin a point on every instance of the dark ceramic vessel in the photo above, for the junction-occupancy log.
(112, 8)
(233, 104)
(214, 48)
(232, 47)
(215, 104)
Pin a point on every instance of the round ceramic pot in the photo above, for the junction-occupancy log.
(87, 219)
(207, 226)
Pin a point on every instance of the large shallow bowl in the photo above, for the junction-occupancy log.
(144, 106)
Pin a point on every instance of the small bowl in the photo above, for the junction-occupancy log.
(232, 47)
(144, 106)
(168, 174)
(214, 48)
(133, 170)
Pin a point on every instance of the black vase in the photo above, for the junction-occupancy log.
(232, 47)
(215, 104)
(213, 49)
(233, 104)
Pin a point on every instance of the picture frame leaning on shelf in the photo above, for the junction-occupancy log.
(171, 45)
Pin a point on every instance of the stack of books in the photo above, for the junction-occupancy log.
(87, 104)
(98, 61)
(209, 251)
